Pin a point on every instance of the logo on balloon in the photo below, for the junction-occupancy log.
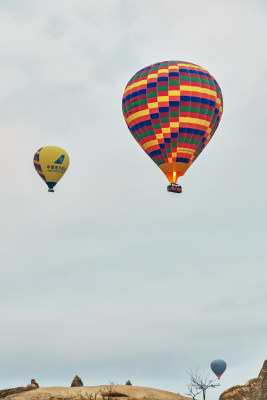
(56, 168)
(60, 160)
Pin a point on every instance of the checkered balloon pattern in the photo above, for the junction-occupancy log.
(172, 109)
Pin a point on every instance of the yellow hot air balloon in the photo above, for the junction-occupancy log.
(51, 163)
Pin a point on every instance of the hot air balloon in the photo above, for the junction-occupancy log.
(51, 163)
(218, 367)
(172, 109)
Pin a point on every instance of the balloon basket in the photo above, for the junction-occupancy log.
(51, 190)
(174, 188)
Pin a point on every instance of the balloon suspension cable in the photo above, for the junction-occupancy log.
(174, 188)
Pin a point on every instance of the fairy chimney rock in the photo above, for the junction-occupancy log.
(76, 382)
(254, 389)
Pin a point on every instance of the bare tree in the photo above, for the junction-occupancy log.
(109, 392)
(199, 384)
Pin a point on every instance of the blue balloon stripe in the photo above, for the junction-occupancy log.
(141, 125)
(197, 100)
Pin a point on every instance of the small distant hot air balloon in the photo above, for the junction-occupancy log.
(51, 163)
(172, 109)
(218, 367)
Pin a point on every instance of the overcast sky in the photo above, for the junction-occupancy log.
(111, 277)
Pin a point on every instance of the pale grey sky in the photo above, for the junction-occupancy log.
(111, 277)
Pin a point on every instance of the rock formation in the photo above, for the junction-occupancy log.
(7, 393)
(33, 384)
(76, 382)
(105, 392)
(254, 389)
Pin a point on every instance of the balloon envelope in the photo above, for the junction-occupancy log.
(218, 367)
(172, 109)
(51, 163)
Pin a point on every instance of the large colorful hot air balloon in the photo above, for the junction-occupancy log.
(218, 367)
(172, 109)
(51, 163)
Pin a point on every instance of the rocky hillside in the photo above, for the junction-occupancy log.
(254, 389)
(8, 392)
(118, 392)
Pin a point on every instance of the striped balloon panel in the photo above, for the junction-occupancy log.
(172, 109)
(37, 165)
